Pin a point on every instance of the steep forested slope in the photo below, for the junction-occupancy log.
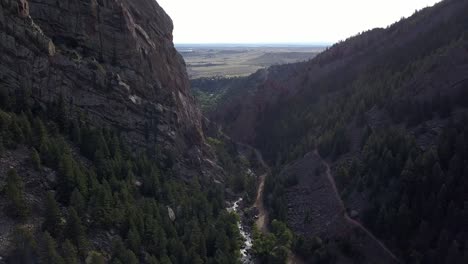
(387, 110)
(72, 191)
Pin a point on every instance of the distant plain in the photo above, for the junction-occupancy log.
(240, 60)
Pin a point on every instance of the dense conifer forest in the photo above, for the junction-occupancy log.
(104, 189)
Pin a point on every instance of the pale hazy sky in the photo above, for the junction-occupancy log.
(276, 21)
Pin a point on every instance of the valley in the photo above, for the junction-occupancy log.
(119, 146)
(231, 60)
(365, 141)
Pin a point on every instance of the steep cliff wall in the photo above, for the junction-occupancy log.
(112, 60)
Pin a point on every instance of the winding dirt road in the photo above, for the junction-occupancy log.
(262, 219)
(346, 216)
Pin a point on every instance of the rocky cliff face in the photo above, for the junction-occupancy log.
(112, 60)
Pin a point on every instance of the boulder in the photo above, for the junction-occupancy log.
(171, 214)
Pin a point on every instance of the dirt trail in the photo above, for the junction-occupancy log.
(346, 216)
(262, 220)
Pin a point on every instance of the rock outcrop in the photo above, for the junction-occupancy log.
(112, 60)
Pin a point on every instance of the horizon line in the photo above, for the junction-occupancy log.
(257, 43)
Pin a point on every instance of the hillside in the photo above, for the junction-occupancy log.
(386, 110)
(102, 154)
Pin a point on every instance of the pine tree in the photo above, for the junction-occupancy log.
(23, 98)
(165, 260)
(77, 202)
(53, 218)
(4, 98)
(42, 138)
(194, 256)
(36, 160)
(15, 193)
(102, 205)
(2, 147)
(62, 113)
(69, 253)
(25, 246)
(16, 132)
(81, 180)
(151, 184)
(153, 260)
(76, 132)
(282, 233)
(133, 239)
(118, 249)
(76, 232)
(49, 254)
(66, 181)
(95, 258)
(130, 257)
(25, 126)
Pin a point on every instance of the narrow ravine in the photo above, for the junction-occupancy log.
(262, 221)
